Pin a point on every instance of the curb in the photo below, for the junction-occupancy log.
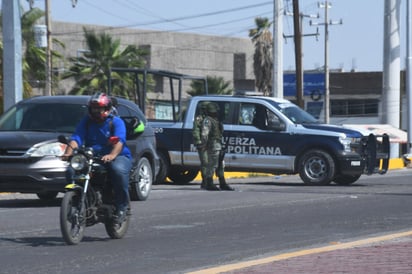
(395, 163)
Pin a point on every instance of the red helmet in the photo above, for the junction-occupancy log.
(100, 107)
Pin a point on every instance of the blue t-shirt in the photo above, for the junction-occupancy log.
(96, 135)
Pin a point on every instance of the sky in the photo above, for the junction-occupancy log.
(355, 44)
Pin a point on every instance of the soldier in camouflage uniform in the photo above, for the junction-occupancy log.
(211, 136)
(197, 139)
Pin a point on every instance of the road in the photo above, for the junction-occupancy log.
(181, 228)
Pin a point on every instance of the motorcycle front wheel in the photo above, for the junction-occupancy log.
(117, 231)
(72, 221)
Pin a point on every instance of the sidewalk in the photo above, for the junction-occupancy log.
(384, 254)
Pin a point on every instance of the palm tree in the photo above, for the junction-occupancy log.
(34, 69)
(34, 58)
(34, 64)
(215, 84)
(91, 70)
(262, 58)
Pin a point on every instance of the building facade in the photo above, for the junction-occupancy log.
(356, 97)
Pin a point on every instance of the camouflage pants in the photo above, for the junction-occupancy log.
(203, 162)
(212, 164)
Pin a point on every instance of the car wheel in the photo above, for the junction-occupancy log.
(345, 180)
(47, 195)
(182, 177)
(316, 167)
(141, 181)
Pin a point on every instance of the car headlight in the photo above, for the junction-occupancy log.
(349, 144)
(48, 149)
(78, 162)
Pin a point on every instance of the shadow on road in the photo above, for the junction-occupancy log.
(22, 203)
(301, 184)
(48, 241)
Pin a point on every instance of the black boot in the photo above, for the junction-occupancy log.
(224, 186)
(203, 184)
(210, 185)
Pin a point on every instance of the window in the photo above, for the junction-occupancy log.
(257, 115)
(226, 110)
(355, 107)
(126, 111)
(246, 114)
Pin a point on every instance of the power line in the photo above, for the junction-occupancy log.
(203, 14)
(139, 9)
(154, 22)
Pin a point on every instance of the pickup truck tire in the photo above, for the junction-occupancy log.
(164, 168)
(316, 167)
(345, 180)
(141, 181)
(182, 176)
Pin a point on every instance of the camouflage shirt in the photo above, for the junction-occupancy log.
(197, 127)
(211, 133)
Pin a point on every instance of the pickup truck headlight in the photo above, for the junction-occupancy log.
(350, 144)
(50, 149)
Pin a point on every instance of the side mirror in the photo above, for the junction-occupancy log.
(276, 126)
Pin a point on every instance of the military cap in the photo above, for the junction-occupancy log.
(212, 108)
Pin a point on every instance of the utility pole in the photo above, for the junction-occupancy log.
(297, 24)
(49, 68)
(409, 74)
(391, 109)
(298, 53)
(326, 6)
(277, 85)
(327, 95)
(12, 54)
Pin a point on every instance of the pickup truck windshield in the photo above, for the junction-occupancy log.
(296, 114)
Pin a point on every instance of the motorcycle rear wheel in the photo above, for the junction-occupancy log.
(72, 221)
(117, 231)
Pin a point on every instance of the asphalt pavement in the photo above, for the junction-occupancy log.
(391, 253)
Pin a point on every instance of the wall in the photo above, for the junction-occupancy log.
(185, 53)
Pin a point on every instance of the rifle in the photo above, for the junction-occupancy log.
(222, 157)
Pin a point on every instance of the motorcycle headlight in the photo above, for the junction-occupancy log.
(78, 162)
(47, 149)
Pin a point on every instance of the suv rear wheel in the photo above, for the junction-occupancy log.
(141, 181)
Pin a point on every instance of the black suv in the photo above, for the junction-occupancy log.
(29, 150)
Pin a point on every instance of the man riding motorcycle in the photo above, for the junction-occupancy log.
(95, 130)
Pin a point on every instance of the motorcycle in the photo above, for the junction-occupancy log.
(89, 198)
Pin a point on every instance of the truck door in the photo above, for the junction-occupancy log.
(257, 140)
